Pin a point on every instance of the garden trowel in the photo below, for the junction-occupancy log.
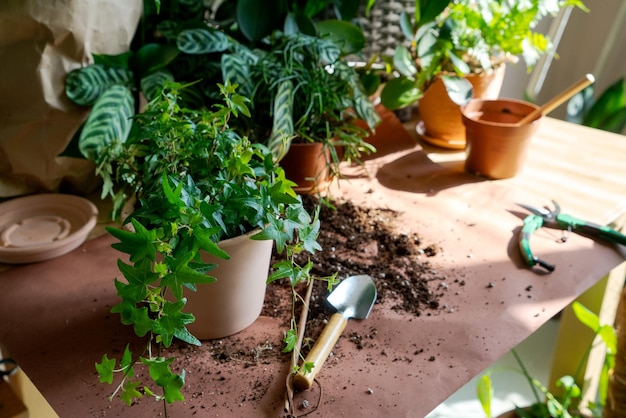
(354, 297)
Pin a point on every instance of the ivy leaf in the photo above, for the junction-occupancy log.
(307, 367)
(186, 336)
(308, 236)
(172, 320)
(290, 340)
(127, 362)
(139, 244)
(142, 322)
(163, 376)
(138, 275)
(105, 369)
(181, 273)
(130, 392)
(203, 235)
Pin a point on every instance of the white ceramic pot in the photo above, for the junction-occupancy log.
(235, 300)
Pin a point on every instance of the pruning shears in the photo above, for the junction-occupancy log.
(544, 217)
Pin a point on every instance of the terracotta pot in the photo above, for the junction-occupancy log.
(235, 300)
(307, 166)
(441, 122)
(496, 145)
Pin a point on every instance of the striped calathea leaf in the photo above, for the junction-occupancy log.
(236, 71)
(109, 121)
(282, 124)
(202, 41)
(152, 84)
(83, 86)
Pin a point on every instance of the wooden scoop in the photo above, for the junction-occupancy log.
(354, 297)
(558, 99)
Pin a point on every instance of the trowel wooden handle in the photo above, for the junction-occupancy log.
(320, 351)
(558, 99)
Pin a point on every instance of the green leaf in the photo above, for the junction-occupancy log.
(202, 41)
(611, 101)
(459, 89)
(346, 35)
(153, 57)
(586, 317)
(290, 340)
(109, 121)
(185, 336)
(118, 61)
(85, 85)
(163, 376)
(282, 125)
(406, 26)
(430, 10)
(139, 244)
(609, 337)
(152, 84)
(105, 369)
(236, 71)
(257, 19)
(172, 322)
(181, 274)
(347, 9)
(403, 61)
(484, 391)
(204, 237)
(130, 392)
(399, 93)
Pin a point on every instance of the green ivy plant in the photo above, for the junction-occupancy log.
(197, 182)
(455, 38)
(565, 404)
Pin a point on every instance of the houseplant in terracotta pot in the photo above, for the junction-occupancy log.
(197, 183)
(566, 402)
(305, 95)
(459, 50)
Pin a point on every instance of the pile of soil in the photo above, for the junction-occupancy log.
(363, 240)
(354, 240)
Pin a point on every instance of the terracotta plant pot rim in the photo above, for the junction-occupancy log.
(488, 101)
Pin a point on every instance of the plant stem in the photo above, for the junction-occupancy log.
(295, 355)
(527, 375)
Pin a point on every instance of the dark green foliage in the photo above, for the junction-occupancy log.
(608, 112)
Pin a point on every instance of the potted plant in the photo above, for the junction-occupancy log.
(458, 49)
(197, 182)
(305, 96)
(186, 41)
(566, 403)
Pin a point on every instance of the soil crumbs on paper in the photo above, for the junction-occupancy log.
(362, 240)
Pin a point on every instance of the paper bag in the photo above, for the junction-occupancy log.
(41, 41)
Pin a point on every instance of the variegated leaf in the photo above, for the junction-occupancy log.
(109, 120)
(365, 110)
(282, 125)
(152, 84)
(202, 41)
(235, 70)
(327, 51)
(84, 85)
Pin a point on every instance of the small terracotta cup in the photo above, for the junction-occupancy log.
(496, 145)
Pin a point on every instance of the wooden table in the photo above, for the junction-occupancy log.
(55, 320)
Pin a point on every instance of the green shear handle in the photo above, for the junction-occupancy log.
(590, 229)
(554, 219)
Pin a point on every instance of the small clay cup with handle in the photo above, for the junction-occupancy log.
(496, 143)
